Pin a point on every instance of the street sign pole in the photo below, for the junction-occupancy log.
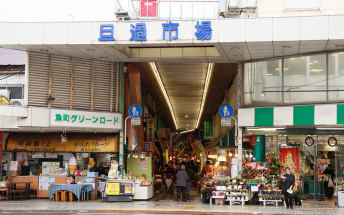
(121, 146)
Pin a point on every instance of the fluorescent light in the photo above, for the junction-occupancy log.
(323, 128)
(205, 90)
(316, 70)
(264, 129)
(183, 132)
(163, 90)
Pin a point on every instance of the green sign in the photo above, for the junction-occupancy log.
(208, 128)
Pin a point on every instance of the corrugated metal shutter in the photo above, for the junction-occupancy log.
(38, 79)
(116, 84)
(102, 79)
(61, 81)
(82, 84)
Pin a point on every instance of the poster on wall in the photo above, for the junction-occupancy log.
(142, 164)
(45, 182)
(290, 158)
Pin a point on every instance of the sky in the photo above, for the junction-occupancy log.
(56, 10)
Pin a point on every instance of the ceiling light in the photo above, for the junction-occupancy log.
(163, 90)
(268, 74)
(315, 61)
(324, 128)
(187, 131)
(286, 69)
(277, 69)
(264, 129)
(186, 116)
(316, 70)
(286, 47)
(90, 50)
(205, 91)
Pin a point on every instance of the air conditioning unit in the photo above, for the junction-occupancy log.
(18, 102)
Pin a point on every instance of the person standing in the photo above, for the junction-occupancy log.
(328, 184)
(287, 188)
(182, 179)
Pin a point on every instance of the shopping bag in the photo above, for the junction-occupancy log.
(330, 183)
(168, 183)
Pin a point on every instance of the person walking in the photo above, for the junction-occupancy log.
(182, 179)
(328, 184)
(287, 188)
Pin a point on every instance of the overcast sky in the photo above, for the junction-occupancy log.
(56, 10)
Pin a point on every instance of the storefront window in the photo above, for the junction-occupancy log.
(263, 82)
(305, 79)
(336, 76)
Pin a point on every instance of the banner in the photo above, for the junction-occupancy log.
(52, 143)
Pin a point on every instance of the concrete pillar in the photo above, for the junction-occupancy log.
(259, 148)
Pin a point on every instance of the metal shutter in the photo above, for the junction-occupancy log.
(82, 84)
(38, 79)
(116, 88)
(61, 67)
(102, 74)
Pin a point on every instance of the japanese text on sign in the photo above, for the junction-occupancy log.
(170, 31)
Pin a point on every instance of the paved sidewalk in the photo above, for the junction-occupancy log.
(153, 207)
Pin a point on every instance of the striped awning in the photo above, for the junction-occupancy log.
(309, 115)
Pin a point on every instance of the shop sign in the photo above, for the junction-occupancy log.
(150, 129)
(142, 164)
(170, 31)
(83, 119)
(208, 129)
(52, 143)
(113, 189)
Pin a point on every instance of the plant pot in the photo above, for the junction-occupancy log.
(298, 201)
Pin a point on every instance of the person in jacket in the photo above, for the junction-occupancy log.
(329, 186)
(287, 188)
(182, 179)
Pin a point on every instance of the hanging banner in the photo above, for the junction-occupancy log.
(208, 129)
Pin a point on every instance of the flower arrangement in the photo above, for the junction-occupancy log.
(274, 161)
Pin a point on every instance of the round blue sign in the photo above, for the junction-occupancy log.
(226, 111)
(135, 111)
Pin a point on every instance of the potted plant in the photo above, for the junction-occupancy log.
(297, 196)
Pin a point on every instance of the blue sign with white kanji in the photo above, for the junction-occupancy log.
(226, 111)
(135, 111)
(170, 27)
(106, 32)
(204, 30)
(138, 32)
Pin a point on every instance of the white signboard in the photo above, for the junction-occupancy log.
(135, 121)
(226, 122)
(85, 119)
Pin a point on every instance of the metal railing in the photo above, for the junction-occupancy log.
(184, 9)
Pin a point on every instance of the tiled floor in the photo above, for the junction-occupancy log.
(162, 204)
(161, 207)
